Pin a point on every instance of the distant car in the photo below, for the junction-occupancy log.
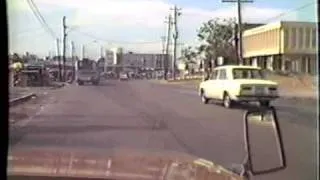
(237, 83)
(123, 77)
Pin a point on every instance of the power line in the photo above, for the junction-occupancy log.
(30, 30)
(112, 41)
(290, 11)
(209, 12)
(40, 18)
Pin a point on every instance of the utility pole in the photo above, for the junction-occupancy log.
(176, 13)
(74, 61)
(167, 46)
(64, 46)
(59, 59)
(239, 33)
(163, 39)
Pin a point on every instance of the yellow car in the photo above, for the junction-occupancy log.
(238, 83)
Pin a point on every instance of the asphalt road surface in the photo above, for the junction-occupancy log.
(149, 116)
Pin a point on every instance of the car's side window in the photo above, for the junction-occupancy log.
(222, 74)
(214, 75)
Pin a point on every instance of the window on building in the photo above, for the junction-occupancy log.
(307, 41)
(314, 38)
(293, 37)
(286, 38)
(300, 37)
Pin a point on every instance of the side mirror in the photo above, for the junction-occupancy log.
(263, 141)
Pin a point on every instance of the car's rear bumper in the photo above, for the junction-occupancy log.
(255, 98)
(87, 80)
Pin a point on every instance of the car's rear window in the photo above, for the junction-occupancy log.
(88, 72)
(247, 73)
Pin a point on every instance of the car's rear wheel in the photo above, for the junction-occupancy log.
(204, 99)
(264, 103)
(227, 101)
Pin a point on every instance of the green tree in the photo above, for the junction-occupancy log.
(188, 55)
(216, 36)
(16, 58)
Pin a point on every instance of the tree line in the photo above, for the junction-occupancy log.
(216, 37)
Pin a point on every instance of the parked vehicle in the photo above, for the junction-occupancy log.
(234, 83)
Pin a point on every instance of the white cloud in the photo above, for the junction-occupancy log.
(150, 13)
(148, 16)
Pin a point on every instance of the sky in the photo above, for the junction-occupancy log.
(134, 25)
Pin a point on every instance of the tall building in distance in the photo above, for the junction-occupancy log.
(144, 60)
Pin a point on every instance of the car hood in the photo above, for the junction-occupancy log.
(121, 164)
(255, 81)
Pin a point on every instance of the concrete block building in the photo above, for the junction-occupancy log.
(282, 46)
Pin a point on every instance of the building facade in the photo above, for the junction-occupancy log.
(155, 61)
(282, 46)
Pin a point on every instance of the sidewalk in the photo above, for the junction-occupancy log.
(19, 92)
(301, 94)
(297, 93)
(16, 92)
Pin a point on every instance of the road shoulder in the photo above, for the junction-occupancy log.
(298, 94)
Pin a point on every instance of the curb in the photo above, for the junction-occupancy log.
(297, 98)
(21, 99)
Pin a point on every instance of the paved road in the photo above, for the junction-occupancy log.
(145, 115)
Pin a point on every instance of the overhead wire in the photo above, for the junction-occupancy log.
(40, 18)
(30, 30)
(288, 12)
(112, 41)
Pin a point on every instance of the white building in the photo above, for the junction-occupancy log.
(285, 46)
